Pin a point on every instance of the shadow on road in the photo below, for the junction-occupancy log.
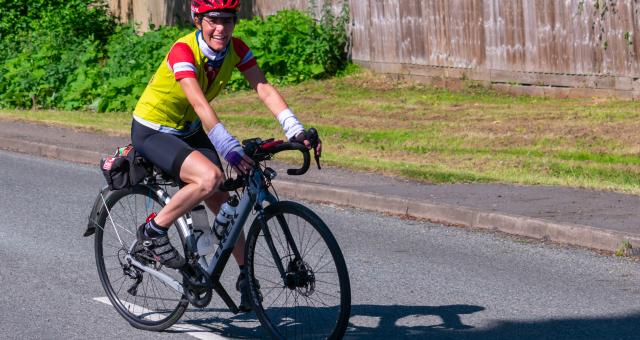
(444, 322)
(407, 321)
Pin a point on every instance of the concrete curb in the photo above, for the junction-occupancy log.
(51, 151)
(572, 234)
(578, 235)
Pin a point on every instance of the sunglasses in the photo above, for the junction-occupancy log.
(218, 20)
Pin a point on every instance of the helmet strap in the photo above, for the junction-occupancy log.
(212, 55)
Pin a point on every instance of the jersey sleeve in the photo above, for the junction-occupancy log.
(247, 60)
(182, 61)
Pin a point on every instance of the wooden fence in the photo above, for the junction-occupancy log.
(170, 12)
(568, 47)
(147, 13)
(551, 46)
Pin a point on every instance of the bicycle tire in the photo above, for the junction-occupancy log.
(127, 209)
(267, 286)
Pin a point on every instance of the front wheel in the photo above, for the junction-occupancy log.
(297, 275)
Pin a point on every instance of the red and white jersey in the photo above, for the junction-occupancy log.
(164, 105)
(181, 59)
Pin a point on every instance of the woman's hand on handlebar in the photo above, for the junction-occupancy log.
(318, 147)
(311, 140)
(245, 166)
(239, 161)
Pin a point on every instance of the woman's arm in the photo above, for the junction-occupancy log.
(199, 102)
(223, 141)
(266, 92)
(276, 104)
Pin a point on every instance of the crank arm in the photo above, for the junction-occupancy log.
(171, 282)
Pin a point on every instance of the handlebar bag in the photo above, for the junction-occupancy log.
(124, 169)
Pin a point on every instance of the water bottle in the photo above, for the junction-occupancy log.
(225, 217)
(202, 231)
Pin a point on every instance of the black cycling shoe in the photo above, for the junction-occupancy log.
(242, 285)
(162, 250)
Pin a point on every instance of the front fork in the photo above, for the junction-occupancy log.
(282, 222)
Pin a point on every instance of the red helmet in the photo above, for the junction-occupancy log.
(204, 6)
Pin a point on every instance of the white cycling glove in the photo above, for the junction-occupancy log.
(290, 124)
(226, 144)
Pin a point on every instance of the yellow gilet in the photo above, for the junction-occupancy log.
(164, 103)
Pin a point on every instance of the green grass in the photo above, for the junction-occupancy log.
(118, 123)
(371, 123)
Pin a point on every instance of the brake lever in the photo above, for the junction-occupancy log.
(312, 136)
(317, 158)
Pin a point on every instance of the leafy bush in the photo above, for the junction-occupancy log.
(70, 53)
(42, 42)
(79, 16)
(132, 61)
(291, 46)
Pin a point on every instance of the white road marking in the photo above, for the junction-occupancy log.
(188, 329)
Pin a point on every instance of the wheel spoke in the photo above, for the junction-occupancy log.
(308, 310)
(261, 279)
(154, 304)
(327, 294)
(316, 265)
(327, 282)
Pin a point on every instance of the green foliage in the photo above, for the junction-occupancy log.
(624, 249)
(628, 37)
(291, 46)
(42, 44)
(70, 54)
(22, 22)
(132, 61)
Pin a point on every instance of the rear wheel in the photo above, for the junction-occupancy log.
(143, 300)
(311, 298)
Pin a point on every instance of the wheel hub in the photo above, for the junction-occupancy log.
(300, 276)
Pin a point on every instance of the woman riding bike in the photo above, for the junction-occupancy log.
(175, 127)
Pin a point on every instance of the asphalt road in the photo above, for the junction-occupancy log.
(409, 279)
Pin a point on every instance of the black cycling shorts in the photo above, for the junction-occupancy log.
(168, 151)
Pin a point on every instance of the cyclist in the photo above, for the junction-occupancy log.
(175, 127)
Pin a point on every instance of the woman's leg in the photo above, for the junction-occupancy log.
(178, 156)
(201, 142)
(196, 170)
(202, 179)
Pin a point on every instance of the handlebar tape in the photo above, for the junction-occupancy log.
(294, 146)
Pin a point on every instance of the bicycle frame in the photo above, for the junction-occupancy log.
(255, 194)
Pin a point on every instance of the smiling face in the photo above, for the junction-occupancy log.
(216, 31)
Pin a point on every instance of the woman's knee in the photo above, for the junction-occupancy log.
(210, 181)
(197, 169)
